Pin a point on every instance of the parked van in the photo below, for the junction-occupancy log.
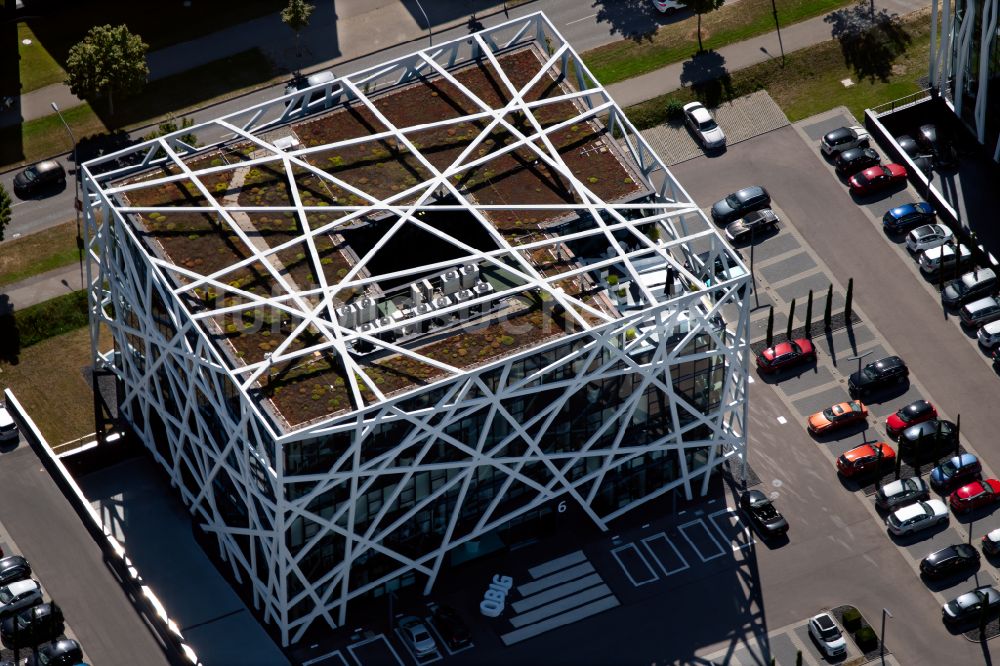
(943, 257)
(981, 312)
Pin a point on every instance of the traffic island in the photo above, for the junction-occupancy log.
(862, 633)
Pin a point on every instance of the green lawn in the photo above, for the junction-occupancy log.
(38, 68)
(810, 81)
(39, 252)
(679, 41)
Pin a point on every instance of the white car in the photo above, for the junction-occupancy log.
(916, 517)
(989, 335)
(844, 138)
(941, 257)
(902, 492)
(827, 635)
(8, 429)
(417, 637)
(667, 6)
(927, 236)
(704, 127)
(18, 595)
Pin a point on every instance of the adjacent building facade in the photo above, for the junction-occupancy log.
(965, 64)
(399, 320)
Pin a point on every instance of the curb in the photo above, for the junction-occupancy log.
(271, 84)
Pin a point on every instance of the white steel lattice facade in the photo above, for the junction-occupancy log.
(533, 311)
(965, 64)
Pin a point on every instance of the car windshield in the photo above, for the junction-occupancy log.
(5, 595)
(708, 124)
(31, 173)
(829, 633)
(831, 412)
(871, 372)
(766, 510)
(732, 201)
(949, 467)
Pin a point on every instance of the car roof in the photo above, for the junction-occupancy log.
(839, 133)
(973, 278)
(48, 165)
(889, 362)
(701, 114)
(911, 511)
(5, 417)
(825, 621)
(11, 560)
(17, 587)
(750, 192)
(326, 76)
(989, 301)
(992, 328)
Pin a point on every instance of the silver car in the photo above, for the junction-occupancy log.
(417, 637)
(704, 127)
(927, 236)
(917, 517)
(19, 594)
(902, 492)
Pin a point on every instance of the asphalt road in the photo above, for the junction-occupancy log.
(71, 566)
(585, 24)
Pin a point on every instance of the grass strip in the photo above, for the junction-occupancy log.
(37, 67)
(678, 41)
(39, 252)
(49, 382)
(810, 81)
(51, 318)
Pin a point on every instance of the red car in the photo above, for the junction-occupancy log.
(975, 495)
(863, 459)
(785, 354)
(916, 412)
(877, 178)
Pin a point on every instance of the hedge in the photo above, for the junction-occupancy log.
(50, 318)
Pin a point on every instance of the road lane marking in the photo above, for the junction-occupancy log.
(782, 420)
(582, 19)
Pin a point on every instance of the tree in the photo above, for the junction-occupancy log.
(5, 210)
(296, 16)
(109, 61)
(700, 7)
(869, 40)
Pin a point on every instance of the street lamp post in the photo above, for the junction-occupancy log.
(777, 28)
(753, 275)
(881, 643)
(76, 169)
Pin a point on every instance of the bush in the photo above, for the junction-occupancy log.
(866, 639)
(51, 318)
(674, 110)
(851, 619)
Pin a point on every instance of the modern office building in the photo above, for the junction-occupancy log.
(405, 317)
(965, 65)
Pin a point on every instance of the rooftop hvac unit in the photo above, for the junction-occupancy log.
(469, 273)
(416, 294)
(347, 316)
(400, 316)
(382, 330)
(422, 309)
(463, 295)
(483, 288)
(426, 290)
(364, 346)
(450, 283)
(366, 310)
(439, 304)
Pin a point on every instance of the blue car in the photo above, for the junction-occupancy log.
(907, 216)
(954, 471)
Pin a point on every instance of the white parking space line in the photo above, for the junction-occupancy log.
(437, 634)
(683, 530)
(380, 637)
(427, 659)
(653, 576)
(667, 572)
(746, 530)
(329, 659)
(581, 19)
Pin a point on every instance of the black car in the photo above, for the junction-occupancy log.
(876, 375)
(740, 203)
(854, 160)
(762, 513)
(967, 607)
(35, 625)
(928, 438)
(65, 652)
(944, 562)
(934, 142)
(908, 145)
(970, 287)
(13, 567)
(452, 628)
(757, 222)
(39, 177)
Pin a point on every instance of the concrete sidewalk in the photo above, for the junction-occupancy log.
(42, 287)
(740, 55)
(351, 29)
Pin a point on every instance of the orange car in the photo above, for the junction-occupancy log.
(837, 416)
(864, 459)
